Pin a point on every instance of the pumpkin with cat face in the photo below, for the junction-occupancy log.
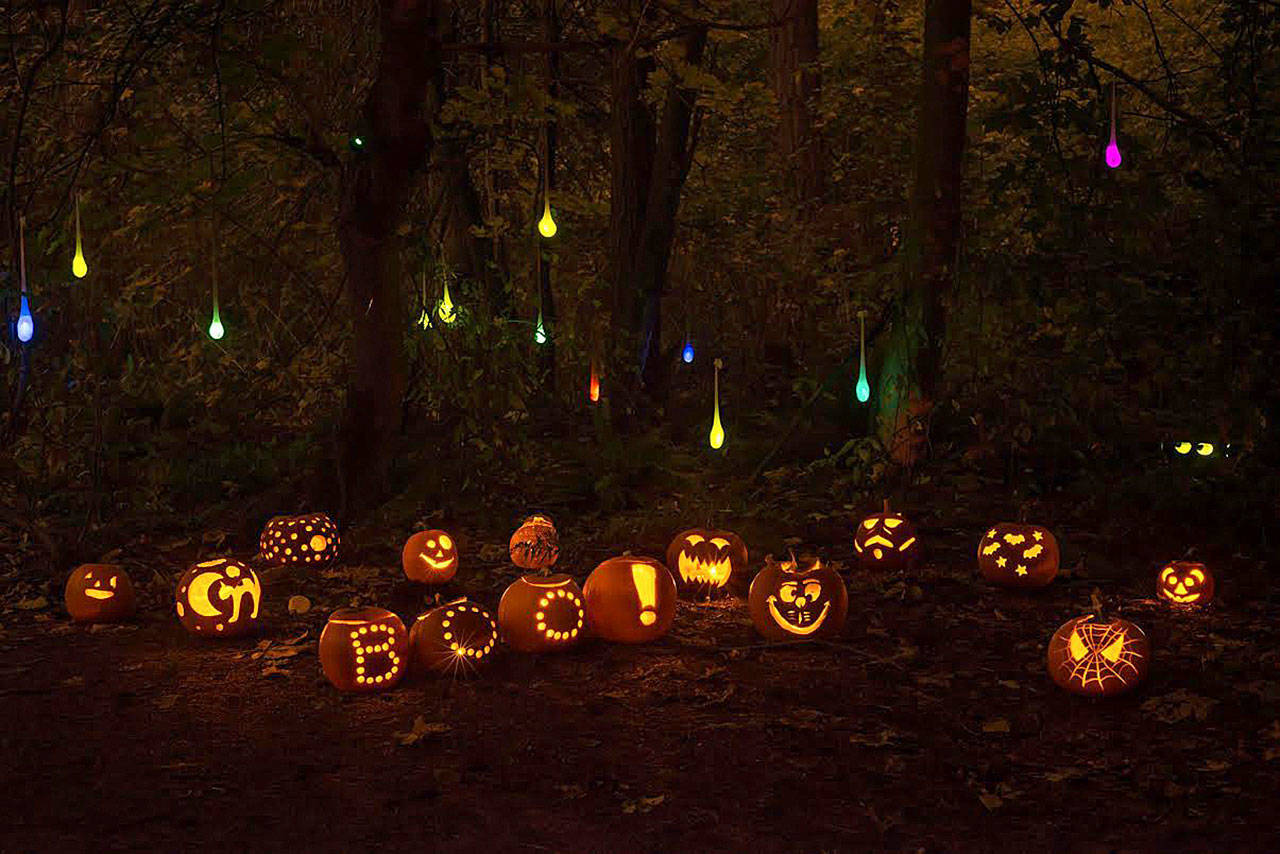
(1017, 555)
(790, 602)
(99, 593)
(704, 560)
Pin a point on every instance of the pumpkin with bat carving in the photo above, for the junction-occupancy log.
(219, 598)
(1098, 657)
(790, 602)
(1016, 555)
(886, 540)
(363, 649)
(456, 638)
(430, 557)
(535, 544)
(308, 540)
(542, 613)
(1186, 583)
(99, 593)
(704, 560)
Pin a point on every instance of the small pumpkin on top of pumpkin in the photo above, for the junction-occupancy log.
(535, 544)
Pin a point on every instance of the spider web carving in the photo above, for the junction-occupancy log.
(1097, 652)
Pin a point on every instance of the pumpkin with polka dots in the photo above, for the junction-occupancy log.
(308, 540)
(455, 639)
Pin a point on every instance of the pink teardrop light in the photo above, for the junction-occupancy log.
(1113, 154)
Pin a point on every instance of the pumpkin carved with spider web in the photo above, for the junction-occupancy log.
(1098, 657)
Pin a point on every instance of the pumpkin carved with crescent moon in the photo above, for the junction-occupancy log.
(219, 598)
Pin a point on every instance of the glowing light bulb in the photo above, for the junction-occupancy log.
(539, 331)
(79, 268)
(547, 225)
(717, 429)
(863, 388)
(593, 387)
(445, 310)
(215, 326)
(687, 353)
(26, 323)
(1113, 154)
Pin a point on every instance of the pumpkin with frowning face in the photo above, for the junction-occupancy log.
(703, 560)
(219, 598)
(99, 593)
(886, 541)
(542, 613)
(456, 639)
(791, 603)
(1014, 555)
(535, 544)
(1186, 583)
(1098, 657)
(310, 540)
(430, 557)
(363, 649)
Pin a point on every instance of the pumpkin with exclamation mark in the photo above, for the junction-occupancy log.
(630, 599)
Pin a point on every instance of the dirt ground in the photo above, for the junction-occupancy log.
(930, 725)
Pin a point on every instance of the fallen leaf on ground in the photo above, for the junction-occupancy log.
(299, 604)
(421, 729)
(995, 725)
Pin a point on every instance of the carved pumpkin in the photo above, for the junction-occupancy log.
(630, 599)
(99, 593)
(886, 541)
(455, 638)
(363, 649)
(791, 603)
(1014, 555)
(1185, 583)
(541, 613)
(535, 544)
(703, 560)
(219, 598)
(430, 557)
(310, 540)
(1098, 657)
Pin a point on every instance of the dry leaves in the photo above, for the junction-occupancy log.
(421, 729)
(1179, 706)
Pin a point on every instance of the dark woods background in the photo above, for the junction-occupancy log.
(748, 175)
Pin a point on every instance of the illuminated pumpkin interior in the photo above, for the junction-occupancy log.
(1185, 583)
(1101, 653)
(372, 646)
(219, 594)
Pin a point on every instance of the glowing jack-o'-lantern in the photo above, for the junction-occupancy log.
(455, 638)
(430, 557)
(219, 598)
(1014, 555)
(790, 603)
(703, 560)
(886, 541)
(299, 540)
(1098, 657)
(541, 613)
(99, 593)
(535, 544)
(630, 599)
(363, 649)
(1185, 583)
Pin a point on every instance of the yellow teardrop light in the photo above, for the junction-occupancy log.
(547, 225)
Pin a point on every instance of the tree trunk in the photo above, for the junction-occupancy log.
(912, 361)
(650, 161)
(397, 140)
(797, 79)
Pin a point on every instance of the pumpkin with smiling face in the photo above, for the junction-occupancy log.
(430, 557)
(788, 602)
(309, 540)
(535, 544)
(704, 560)
(1098, 657)
(1186, 583)
(886, 540)
(542, 613)
(1019, 556)
(99, 593)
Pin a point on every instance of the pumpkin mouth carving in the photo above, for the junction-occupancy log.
(696, 569)
(98, 593)
(436, 564)
(798, 626)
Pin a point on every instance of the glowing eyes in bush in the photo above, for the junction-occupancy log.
(1199, 449)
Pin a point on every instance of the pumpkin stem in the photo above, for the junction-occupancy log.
(886, 507)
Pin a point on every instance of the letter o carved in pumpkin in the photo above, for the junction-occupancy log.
(541, 613)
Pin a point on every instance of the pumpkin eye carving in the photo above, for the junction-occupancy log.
(787, 592)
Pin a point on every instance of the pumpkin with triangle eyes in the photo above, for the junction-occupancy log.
(1098, 657)
(788, 602)
(1015, 555)
(308, 540)
(535, 544)
(1186, 583)
(430, 557)
(703, 560)
(886, 540)
(99, 593)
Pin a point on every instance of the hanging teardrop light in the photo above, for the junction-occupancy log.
(863, 388)
(446, 310)
(717, 429)
(79, 268)
(593, 385)
(539, 331)
(26, 326)
(1113, 149)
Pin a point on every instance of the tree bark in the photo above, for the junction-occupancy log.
(797, 81)
(651, 157)
(911, 364)
(396, 133)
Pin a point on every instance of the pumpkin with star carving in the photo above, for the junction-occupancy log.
(1015, 555)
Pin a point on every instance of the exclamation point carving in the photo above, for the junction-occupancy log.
(646, 581)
